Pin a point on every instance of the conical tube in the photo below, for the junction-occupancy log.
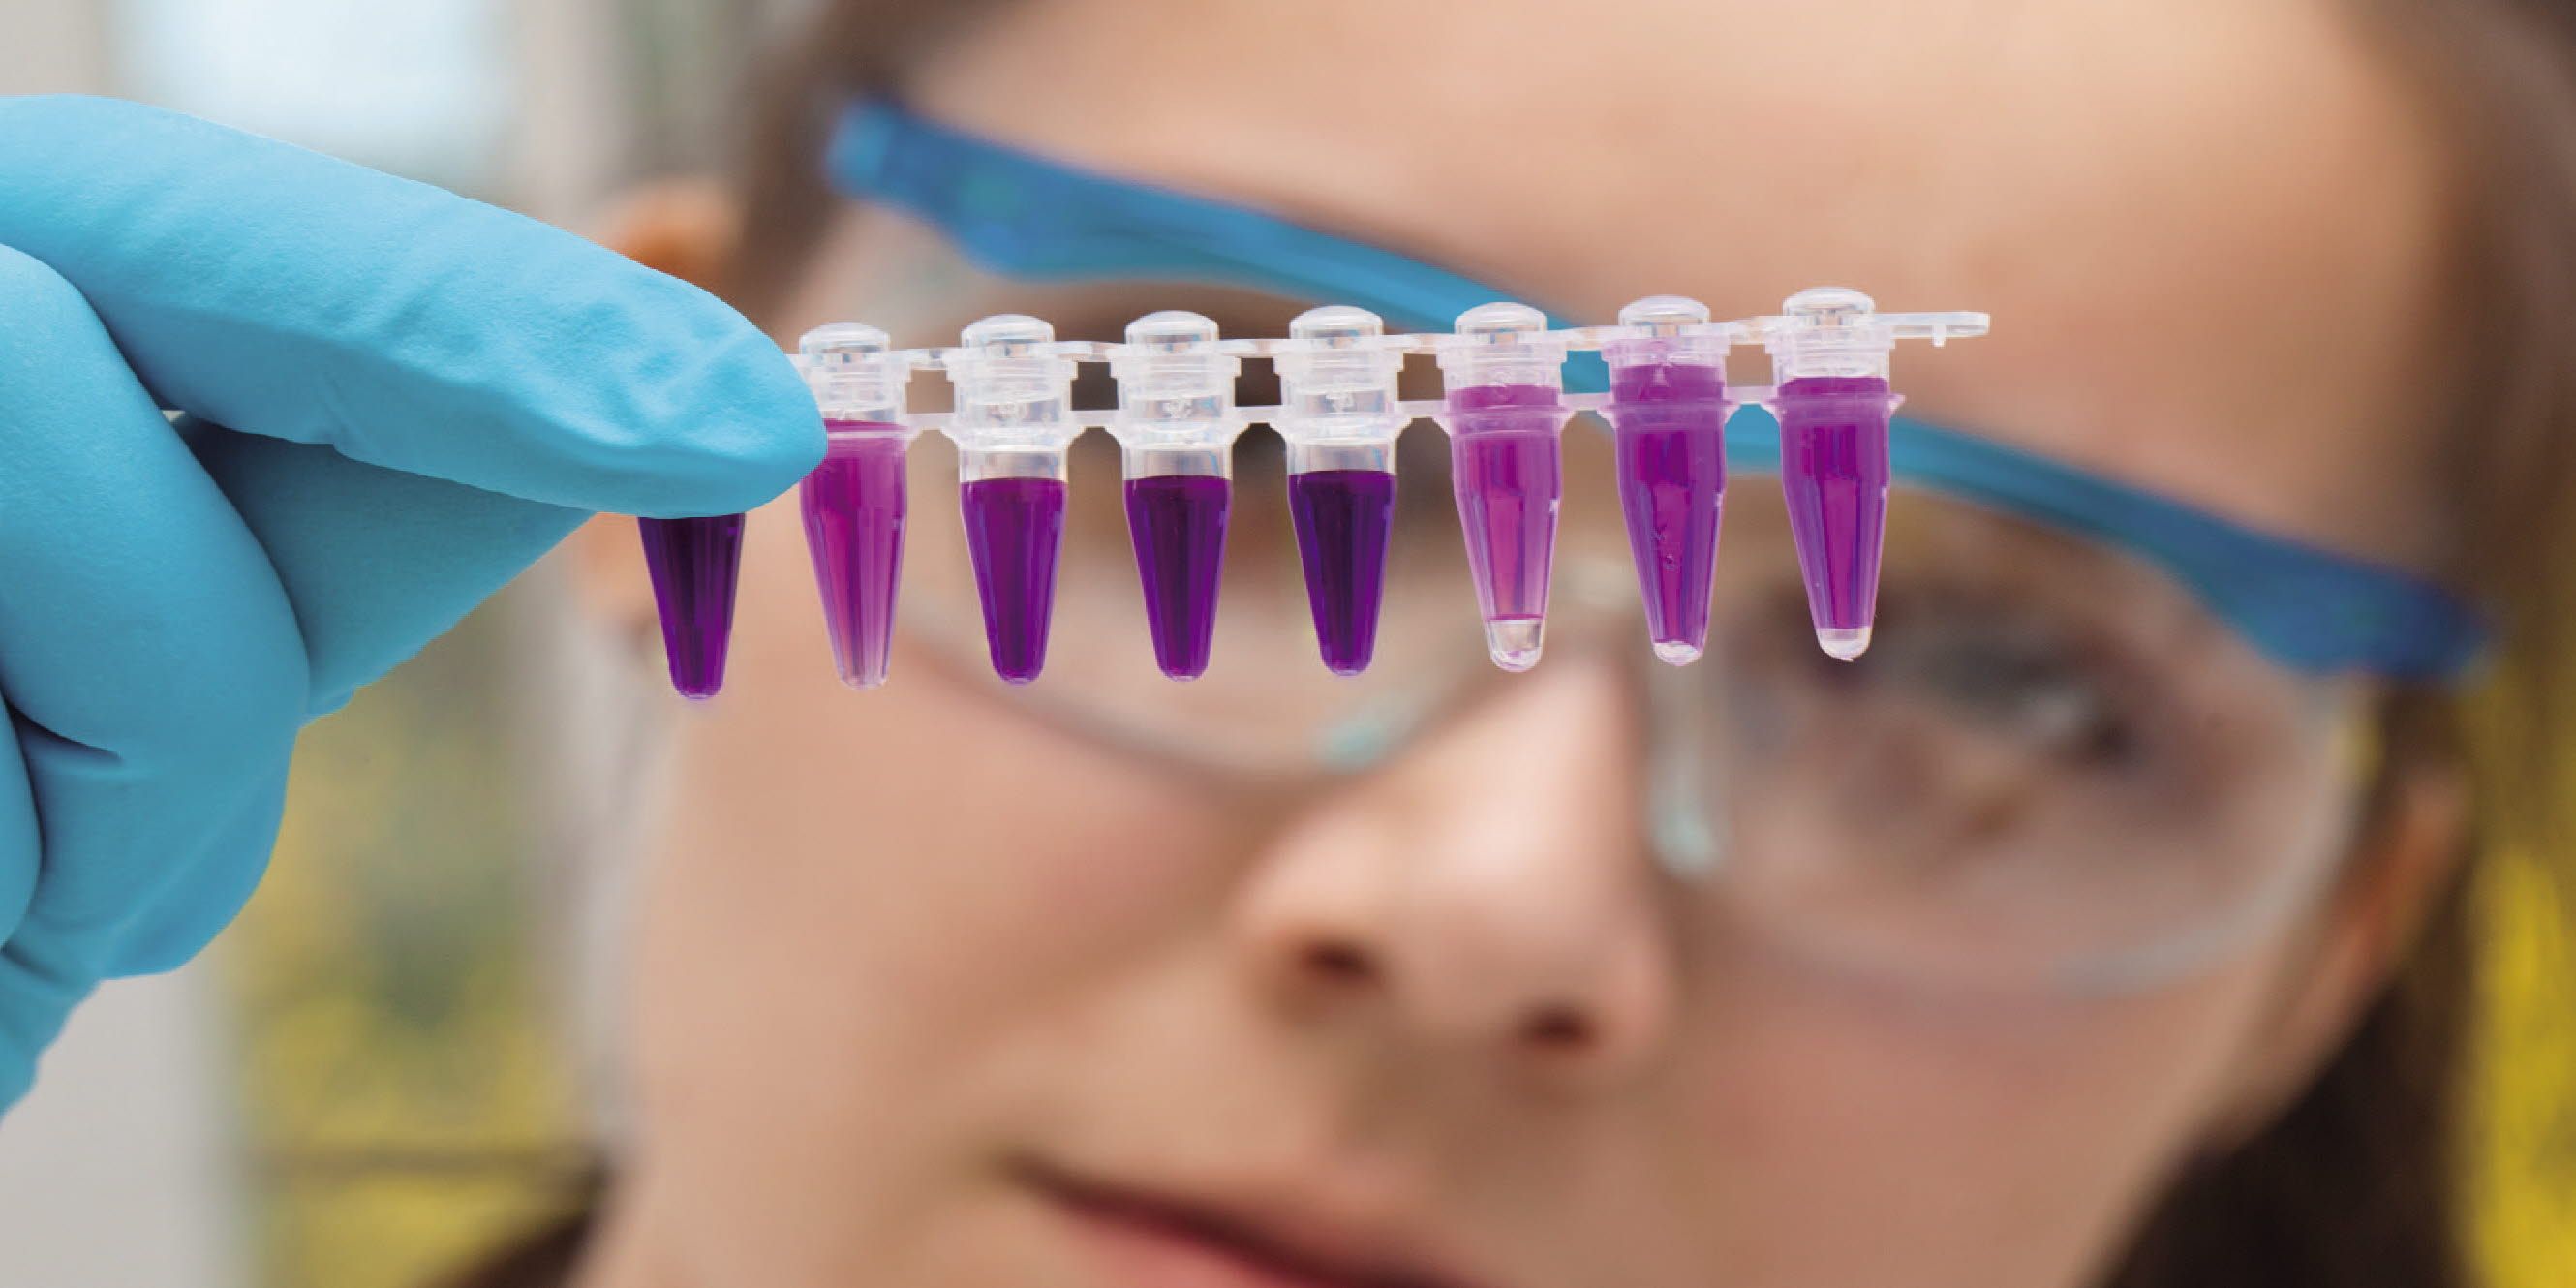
(1176, 426)
(1667, 413)
(1012, 425)
(854, 503)
(1340, 417)
(1505, 414)
(1829, 354)
(695, 564)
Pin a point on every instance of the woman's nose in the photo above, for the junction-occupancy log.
(1486, 891)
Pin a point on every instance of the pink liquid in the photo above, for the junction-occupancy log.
(1177, 524)
(1669, 431)
(1014, 533)
(1508, 471)
(854, 505)
(1834, 472)
(1343, 520)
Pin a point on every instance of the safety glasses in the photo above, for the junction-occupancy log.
(2101, 737)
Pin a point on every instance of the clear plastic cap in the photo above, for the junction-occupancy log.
(1340, 377)
(1502, 344)
(854, 372)
(1677, 330)
(1014, 385)
(1175, 383)
(1837, 331)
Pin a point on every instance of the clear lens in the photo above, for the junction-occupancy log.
(2052, 766)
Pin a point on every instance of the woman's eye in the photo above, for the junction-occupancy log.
(2016, 679)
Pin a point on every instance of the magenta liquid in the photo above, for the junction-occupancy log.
(1177, 524)
(695, 565)
(1508, 468)
(1343, 519)
(854, 510)
(1014, 532)
(1833, 471)
(1669, 431)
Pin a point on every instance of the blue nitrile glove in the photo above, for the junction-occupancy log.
(395, 400)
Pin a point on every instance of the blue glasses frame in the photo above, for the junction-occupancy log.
(2309, 609)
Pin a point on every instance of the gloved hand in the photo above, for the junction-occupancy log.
(394, 400)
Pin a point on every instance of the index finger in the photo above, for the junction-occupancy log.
(281, 292)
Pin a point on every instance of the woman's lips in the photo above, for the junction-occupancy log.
(1147, 1240)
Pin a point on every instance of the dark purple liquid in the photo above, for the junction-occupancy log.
(1343, 519)
(1669, 428)
(1833, 471)
(1508, 470)
(695, 564)
(1014, 531)
(854, 510)
(1177, 524)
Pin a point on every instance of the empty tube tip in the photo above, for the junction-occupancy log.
(1677, 652)
(1843, 643)
(1515, 642)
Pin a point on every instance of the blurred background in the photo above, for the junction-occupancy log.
(373, 1075)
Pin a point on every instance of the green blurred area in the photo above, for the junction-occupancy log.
(406, 1098)
(411, 1103)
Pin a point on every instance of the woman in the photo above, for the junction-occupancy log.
(917, 1000)
(2101, 925)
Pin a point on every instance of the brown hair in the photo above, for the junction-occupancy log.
(853, 48)
(2357, 1184)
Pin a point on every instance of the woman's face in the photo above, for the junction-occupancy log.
(922, 977)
